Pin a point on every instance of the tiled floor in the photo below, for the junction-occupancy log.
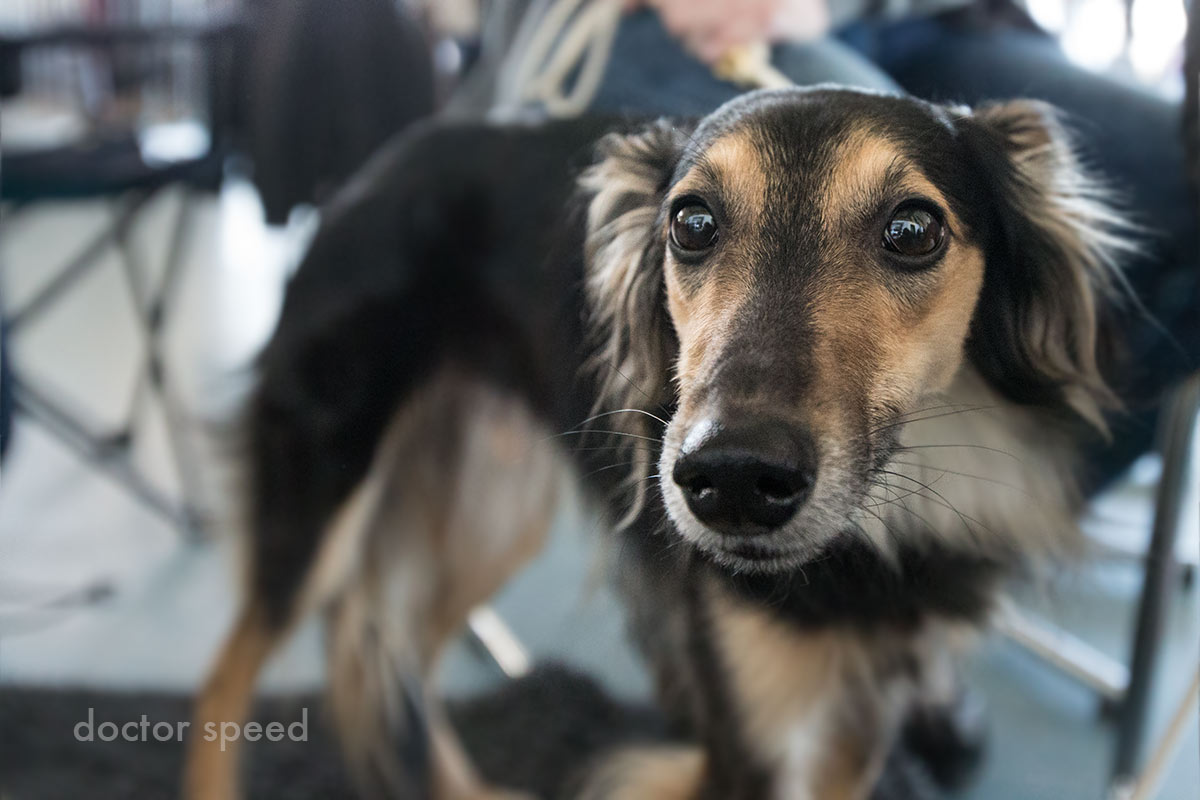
(64, 531)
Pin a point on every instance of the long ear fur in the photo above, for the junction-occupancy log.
(635, 343)
(1052, 257)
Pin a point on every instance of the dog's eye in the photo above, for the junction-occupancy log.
(913, 230)
(693, 228)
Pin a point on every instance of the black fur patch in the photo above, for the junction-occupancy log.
(852, 584)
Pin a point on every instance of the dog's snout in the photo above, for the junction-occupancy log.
(746, 479)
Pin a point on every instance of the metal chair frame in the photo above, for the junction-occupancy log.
(111, 452)
(1127, 688)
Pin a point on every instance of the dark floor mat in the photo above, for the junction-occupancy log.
(531, 734)
(41, 757)
(534, 734)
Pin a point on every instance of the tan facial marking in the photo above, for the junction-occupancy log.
(905, 349)
(736, 161)
(858, 164)
(701, 320)
(932, 348)
(700, 315)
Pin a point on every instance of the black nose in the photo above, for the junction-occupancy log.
(746, 479)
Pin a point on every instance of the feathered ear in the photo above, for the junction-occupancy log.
(626, 297)
(1052, 252)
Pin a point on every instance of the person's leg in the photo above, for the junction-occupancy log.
(6, 394)
(1129, 134)
(1132, 138)
(649, 72)
(830, 61)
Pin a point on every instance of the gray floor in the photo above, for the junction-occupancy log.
(63, 530)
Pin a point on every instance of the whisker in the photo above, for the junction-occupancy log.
(620, 411)
(900, 422)
(641, 391)
(598, 447)
(655, 439)
(906, 447)
(611, 466)
(925, 409)
(945, 503)
(900, 418)
(904, 507)
(943, 470)
(913, 491)
(886, 527)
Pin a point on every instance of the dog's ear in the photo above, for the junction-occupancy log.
(625, 291)
(1053, 244)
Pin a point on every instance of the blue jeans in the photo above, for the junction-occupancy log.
(1132, 137)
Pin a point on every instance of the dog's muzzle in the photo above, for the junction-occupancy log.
(746, 478)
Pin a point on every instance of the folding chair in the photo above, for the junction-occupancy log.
(113, 166)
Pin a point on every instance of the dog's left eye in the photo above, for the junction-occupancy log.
(913, 231)
(693, 228)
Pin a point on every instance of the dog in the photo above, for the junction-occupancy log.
(819, 358)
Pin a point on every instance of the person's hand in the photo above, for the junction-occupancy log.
(710, 28)
(800, 21)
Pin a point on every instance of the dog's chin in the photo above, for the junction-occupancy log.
(744, 558)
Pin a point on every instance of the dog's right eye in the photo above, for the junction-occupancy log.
(914, 230)
(693, 228)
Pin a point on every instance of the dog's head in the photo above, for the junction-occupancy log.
(805, 269)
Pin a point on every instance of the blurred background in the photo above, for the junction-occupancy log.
(161, 168)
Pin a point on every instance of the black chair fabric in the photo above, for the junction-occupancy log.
(330, 81)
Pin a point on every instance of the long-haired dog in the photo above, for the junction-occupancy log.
(830, 348)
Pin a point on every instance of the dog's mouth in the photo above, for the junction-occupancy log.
(766, 553)
(755, 558)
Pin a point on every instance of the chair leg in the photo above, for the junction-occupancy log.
(115, 466)
(1061, 649)
(151, 308)
(79, 266)
(1147, 784)
(111, 453)
(492, 636)
(1175, 443)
